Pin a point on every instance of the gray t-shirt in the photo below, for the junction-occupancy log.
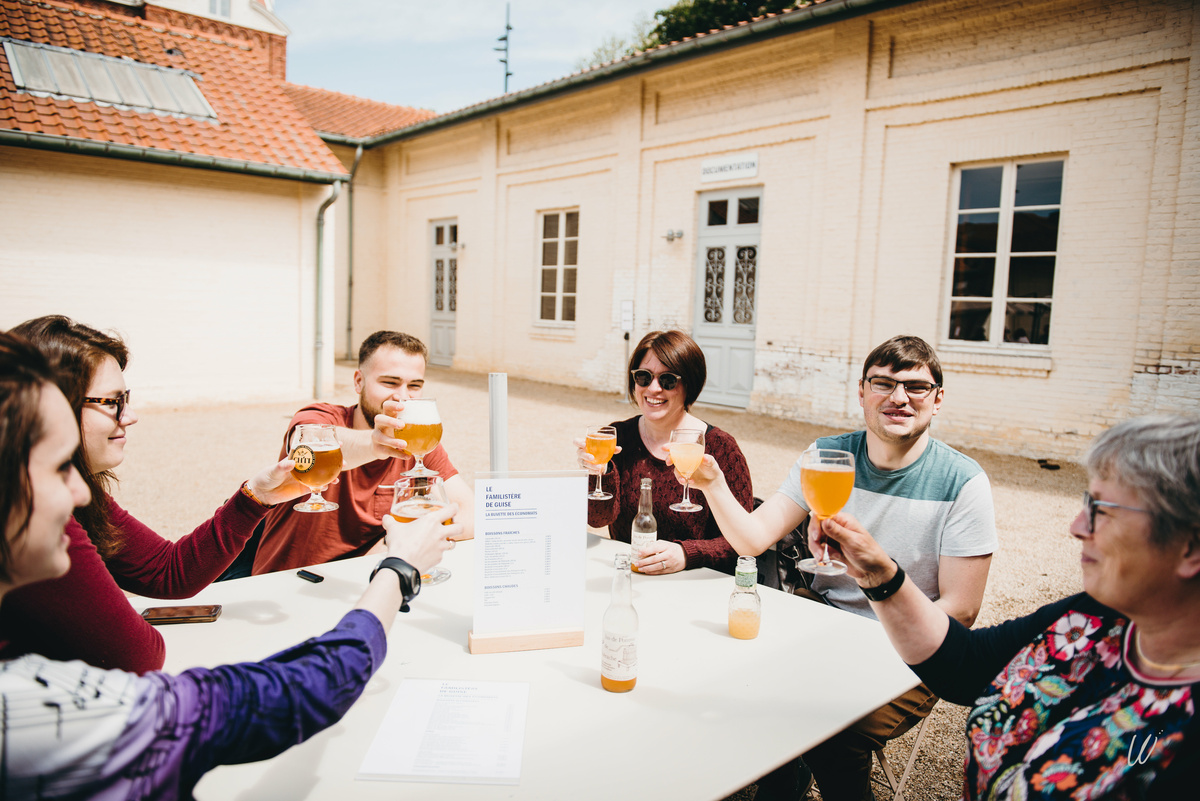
(940, 505)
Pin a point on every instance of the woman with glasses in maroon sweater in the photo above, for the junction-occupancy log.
(84, 614)
(666, 375)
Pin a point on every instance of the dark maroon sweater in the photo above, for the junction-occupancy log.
(696, 532)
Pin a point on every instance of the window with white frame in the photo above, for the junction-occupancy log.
(1005, 251)
(559, 260)
(219, 8)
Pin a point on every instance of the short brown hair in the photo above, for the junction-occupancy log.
(391, 339)
(680, 354)
(904, 353)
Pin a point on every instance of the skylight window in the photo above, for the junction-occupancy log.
(42, 69)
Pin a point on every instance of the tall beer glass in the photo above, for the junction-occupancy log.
(422, 431)
(318, 457)
(413, 496)
(826, 479)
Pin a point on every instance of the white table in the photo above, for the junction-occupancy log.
(709, 715)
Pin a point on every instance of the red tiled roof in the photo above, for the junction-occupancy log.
(350, 116)
(256, 122)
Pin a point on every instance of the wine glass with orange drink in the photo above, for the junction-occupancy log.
(421, 433)
(601, 443)
(318, 456)
(414, 496)
(826, 479)
(686, 447)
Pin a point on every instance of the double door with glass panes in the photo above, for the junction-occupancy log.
(727, 275)
(444, 262)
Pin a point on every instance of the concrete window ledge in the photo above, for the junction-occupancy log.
(993, 360)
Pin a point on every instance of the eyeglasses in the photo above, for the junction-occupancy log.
(1090, 505)
(120, 401)
(881, 385)
(665, 380)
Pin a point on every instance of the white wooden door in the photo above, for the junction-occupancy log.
(727, 273)
(444, 261)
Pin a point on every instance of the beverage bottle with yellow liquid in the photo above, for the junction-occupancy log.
(618, 653)
(745, 607)
(645, 527)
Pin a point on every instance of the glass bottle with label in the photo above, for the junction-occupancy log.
(645, 527)
(745, 607)
(618, 653)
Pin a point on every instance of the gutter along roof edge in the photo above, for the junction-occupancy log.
(91, 147)
(744, 34)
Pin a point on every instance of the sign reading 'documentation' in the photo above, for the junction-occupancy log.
(530, 551)
(726, 168)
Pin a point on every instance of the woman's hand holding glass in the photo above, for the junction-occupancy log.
(423, 541)
(852, 545)
(276, 484)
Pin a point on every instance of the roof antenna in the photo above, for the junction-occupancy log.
(504, 48)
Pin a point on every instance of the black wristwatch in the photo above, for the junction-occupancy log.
(888, 588)
(410, 577)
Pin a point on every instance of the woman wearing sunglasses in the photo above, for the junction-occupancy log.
(84, 614)
(666, 375)
(1089, 697)
(74, 730)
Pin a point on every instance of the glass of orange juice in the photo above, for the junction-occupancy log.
(826, 479)
(687, 451)
(601, 443)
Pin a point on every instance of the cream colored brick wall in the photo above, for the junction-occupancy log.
(209, 277)
(859, 127)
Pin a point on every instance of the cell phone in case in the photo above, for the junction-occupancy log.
(163, 615)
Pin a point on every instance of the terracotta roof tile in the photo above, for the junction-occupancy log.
(350, 116)
(256, 121)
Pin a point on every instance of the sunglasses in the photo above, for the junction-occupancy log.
(120, 401)
(665, 380)
(1090, 505)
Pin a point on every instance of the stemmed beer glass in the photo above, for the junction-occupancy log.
(826, 479)
(318, 457)
(601, 443)
(414, 496)
(687, 451)
(422, 432)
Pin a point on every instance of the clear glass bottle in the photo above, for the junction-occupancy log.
(645, 527)
(745, 607)
(618, 653)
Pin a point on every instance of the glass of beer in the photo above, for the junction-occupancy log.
(601, 443)
(687, 450)
(318, 457)
(413, 496)
(422, 432)
(826, 479)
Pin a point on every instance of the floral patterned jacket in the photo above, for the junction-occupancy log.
(1059, 713)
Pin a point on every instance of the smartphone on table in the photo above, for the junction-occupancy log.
(162, 615)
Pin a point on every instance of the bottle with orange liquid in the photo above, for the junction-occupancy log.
(745, 607)
(618, 653)
(644, 531)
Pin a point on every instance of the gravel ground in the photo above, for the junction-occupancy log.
(1037, 561)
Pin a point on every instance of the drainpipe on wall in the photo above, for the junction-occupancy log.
(350, 255)
(319, 346)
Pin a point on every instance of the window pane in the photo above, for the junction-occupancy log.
(125, 77)
(549, 280)
(572, 226)
(718, 212)
(187, 96)
(160, 97)
(569, 281)
(980, 188)
(568, 308)
(571, 251)
(439, 235)
(548, 307)
(65, 73)
(747, 210)
(1039, 184)
(550, 226)
(969, 320)
(1031, 277)
(974, 277)
(98, 81)
(977, 233)
(1027, 322)
(454, 233)
(35, 72)
(1035, 230)
(549, 253)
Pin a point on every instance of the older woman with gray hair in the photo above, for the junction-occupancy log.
(1092, 696)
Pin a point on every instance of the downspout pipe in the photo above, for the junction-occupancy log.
(319, 341)
(350, 255)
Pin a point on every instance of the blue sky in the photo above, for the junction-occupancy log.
(439, 55)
